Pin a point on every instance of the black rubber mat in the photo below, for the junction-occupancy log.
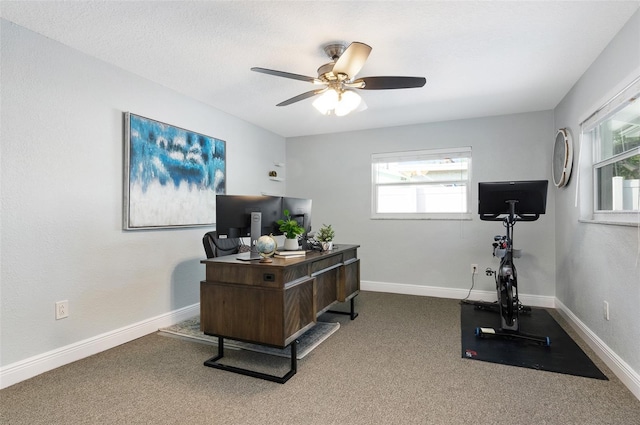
(563, 355)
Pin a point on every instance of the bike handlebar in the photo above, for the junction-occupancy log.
(517, 217)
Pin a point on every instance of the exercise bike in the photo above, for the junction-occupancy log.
(506, 276)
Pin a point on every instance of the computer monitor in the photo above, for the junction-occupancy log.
(234, 216)
(528, 197)
(300, 210)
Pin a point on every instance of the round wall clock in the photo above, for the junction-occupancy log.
(562, 158)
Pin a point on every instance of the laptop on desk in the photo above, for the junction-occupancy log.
(248, 256)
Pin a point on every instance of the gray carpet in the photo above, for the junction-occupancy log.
(190, 329)
(397, 363)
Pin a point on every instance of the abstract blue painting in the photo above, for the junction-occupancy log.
(172, 175)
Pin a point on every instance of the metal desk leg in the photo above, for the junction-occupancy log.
(351, 313)
(213, 362)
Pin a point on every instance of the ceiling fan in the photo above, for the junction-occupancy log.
(338, 79)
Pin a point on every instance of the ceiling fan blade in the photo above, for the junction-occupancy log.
(287, 75)
(352, 60)
(386, 83)
(302, 96)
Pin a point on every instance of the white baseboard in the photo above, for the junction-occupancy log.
(28, 368)
(454, 293)
(629, 377)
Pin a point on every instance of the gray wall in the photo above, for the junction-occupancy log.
(335, 171)
(598, 262)
(62, 167)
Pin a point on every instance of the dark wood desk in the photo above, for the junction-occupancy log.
(274, 303)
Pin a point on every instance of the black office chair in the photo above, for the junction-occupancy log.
(217, 247)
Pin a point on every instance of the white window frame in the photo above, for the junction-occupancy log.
(412, 156)
(589, 129)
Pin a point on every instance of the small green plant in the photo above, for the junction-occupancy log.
(325, 234)
(289, 226)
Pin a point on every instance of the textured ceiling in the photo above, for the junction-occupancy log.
(479, 58)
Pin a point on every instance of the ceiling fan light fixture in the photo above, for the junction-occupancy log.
(349, 101)
(339, 104)
(327, 102)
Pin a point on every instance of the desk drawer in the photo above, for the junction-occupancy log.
(326, 289)
(240, 312)
(325, 263)
(349, 282)
(269, 277)
(259, 315)
(349, 255)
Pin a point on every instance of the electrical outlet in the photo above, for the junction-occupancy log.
(474, 268)
(62, 309)
(606, 310)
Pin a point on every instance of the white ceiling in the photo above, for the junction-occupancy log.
(479, 58)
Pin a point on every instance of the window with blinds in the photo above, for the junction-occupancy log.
(614, 134)
(424, 184)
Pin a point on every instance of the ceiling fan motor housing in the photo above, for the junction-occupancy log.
(335, 50)
(325, 72)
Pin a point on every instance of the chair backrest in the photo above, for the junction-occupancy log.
(217, 247)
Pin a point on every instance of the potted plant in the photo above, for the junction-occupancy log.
(325, 236)
(291, 230)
